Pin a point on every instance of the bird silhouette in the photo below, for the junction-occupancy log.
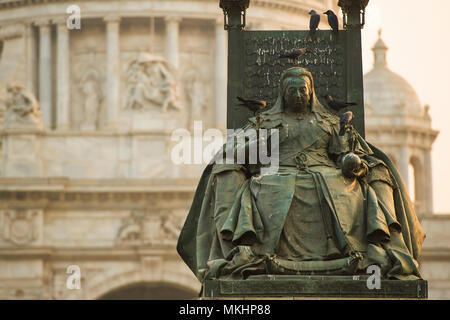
(256, 106)
(344, 122)
(313, 22)
(294, 54)
(333, 21)
(337, 105)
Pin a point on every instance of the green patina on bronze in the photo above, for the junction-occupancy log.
(307, 218)
(262, 66)
(255, 67)
(317, 214)
(314, 287)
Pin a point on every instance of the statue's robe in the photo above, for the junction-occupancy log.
(238, 222)
(306, 218)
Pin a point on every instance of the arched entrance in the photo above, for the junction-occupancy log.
(150, 291)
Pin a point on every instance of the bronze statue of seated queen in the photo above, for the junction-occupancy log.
(335, 206)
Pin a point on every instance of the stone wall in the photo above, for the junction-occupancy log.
(435, 256)
(115, 234)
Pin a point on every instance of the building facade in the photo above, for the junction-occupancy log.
(87, 184)
(400, 125)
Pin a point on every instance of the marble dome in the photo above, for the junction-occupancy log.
(385, 92)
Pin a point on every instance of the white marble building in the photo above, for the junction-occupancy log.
(85, 173)
(400, 125)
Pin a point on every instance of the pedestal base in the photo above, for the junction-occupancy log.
(271, 286)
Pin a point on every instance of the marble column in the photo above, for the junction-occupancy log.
(45, 71)
(31, 59)
(152, 34)
(220, 75)
(404, 165)
(172, 40)
(428, 183)
(112, 69)
(63, 75)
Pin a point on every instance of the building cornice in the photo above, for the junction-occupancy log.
(108, 200)
(436, 217)
(89, 253)
(428, 133)
(286, 6)
(279, 4)
(97, 185)
(12, 31)
(435, 254)
(42, 193)
(156, 10)
(102, 8)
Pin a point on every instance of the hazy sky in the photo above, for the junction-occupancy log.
(417, 33)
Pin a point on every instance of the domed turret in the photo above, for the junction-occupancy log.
(385, 92)
(397, 123)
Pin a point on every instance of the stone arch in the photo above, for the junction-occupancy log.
(105, 282)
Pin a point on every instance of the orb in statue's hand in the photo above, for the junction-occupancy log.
(351, 164)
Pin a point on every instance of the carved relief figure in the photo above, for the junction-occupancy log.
(131, 229)
(133, 76)
(170, 226)
(20, 226)
(143, 229)
(150, 84)
(92, 99)
(196, 94)
(22, 108)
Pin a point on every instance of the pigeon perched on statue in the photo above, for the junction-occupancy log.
(344, 122)
(256, 106)
(313, 22)
(337, 105)
(333, 21)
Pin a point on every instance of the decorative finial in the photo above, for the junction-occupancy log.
(379, 51)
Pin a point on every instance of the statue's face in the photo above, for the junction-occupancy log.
(297, 94)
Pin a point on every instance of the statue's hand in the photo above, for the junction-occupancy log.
(352, 166)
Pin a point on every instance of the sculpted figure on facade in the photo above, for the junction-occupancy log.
(90, 87)
(20, 226)
(131, 228)
(151, 85)
(22, 108)
(197, 94)
(170, 226)
(335, 206)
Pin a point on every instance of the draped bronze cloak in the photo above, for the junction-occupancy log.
(208, 242)
(237, 223)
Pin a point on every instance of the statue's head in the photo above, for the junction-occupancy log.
(297, 94)
(296, 88)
